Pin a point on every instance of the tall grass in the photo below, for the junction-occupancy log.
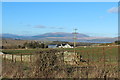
(101, 63)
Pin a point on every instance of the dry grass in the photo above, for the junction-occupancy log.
(50, 64)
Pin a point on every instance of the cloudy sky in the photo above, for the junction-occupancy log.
(31, 18)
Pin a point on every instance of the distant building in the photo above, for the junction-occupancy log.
(52, 46)
(60, 46)
(65, 46)
(1, 53)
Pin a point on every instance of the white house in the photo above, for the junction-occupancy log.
(1, 53)
(65, 46)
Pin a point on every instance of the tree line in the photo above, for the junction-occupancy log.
(27, 45)
(35, 45)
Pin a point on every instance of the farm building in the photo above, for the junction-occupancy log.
(60, 46)
(65, 46)
(1, 53)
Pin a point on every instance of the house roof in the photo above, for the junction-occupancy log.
(58, 45)
(71, 45)
(63, 44)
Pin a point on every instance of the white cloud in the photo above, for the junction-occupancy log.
(113, 10)
(40, 26)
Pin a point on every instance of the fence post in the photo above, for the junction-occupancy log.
(30, 58)
(63, 57)
(88, 66)
(21, 57)
(118, 62)
(12, 57)
(4, 56)
(15, 60)
(105, 76)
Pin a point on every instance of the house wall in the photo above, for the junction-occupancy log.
(66, 46)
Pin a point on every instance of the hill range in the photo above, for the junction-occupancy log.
(60, 36)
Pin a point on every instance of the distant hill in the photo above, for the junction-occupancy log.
(14, 36)
(61, 36)
(46, 35)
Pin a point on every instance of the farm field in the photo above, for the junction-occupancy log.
(94, 53)
(100, 62)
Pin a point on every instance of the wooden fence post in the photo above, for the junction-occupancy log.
(15, 60)
(88, 66)
(21, 57)
(12, 57)
(63, 57)
(30, 58)
(105, 76)
(4, 56)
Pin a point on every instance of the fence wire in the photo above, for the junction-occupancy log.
(53, 65)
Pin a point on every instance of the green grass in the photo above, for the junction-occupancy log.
(93, 53)
(18, 51)
(23, 51)
(97, 53)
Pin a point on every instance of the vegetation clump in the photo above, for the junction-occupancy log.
(117, 42)
(34, 45)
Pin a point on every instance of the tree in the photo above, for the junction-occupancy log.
(42, 45)
(117, 42)
(34, 45)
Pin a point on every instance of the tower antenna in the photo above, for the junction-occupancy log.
(75, 38)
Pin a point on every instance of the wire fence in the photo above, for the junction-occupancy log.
(65, 64)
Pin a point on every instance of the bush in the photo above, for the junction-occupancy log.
(34, 44)
(47, 64)
(117, 42)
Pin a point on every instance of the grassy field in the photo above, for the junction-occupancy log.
(22, 51)
(95, 68)
(17, 52)
(93, 53)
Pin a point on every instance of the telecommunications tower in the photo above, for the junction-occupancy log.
(75, 38)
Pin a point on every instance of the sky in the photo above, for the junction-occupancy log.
(60, 0)
(33, 18)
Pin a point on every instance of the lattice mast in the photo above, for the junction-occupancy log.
(75, 38)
